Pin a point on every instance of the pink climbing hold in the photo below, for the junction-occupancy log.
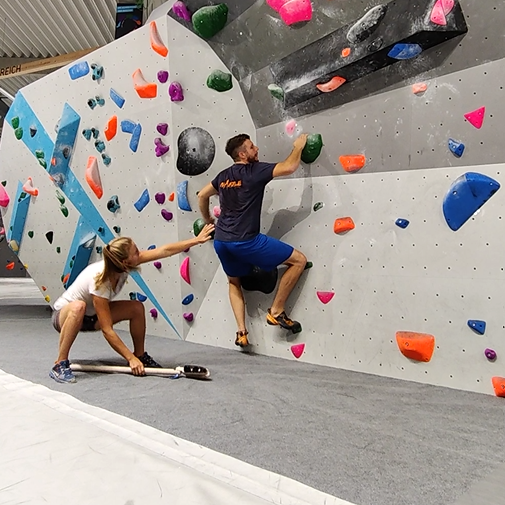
(476, 118)
(297, 350)
(181, 11)
(447, 6)
(185, 270)
(437, 14)
(188, 316)
(154, 313)
(292, 11)
(325, 296)
(216, 211)
(4, 197)
(290, 127)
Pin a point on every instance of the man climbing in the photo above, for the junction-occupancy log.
(238, 242)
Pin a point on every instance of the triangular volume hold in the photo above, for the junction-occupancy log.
(93, 177)
(476, 117)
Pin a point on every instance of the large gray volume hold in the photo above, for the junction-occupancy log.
(197, 150)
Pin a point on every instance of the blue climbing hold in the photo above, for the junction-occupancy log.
(151, 247)
(467, 194)
(456, 148)
(100, 146)
(78, 70)
(87, 134)
(142, 201)
(405, 51)
(182, 196)
(188, 299)
(127, 126)
(141, 297)
(117, 98)
(106, 159)
(477, 326)
(134, 141)
(402, 223)
(97, 71)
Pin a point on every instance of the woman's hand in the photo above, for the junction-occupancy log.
(136, 366)
(206, 233)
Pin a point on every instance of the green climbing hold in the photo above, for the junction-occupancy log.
(276, 91)
(209, 20)
(39, 154)
(58, 250)
(64, 210)
(4, 183)
(220, 81)
(60, 197)
(308, 265)
(30, 234)
(71, 264)
(318, 206)
(198, 227)
(15, 122)
(19, 133)
(43, 163)
(312, 148)
(22, 195)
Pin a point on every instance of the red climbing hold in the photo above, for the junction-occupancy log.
(10, 266)
(331, 85)
(416, 346)
(352, 162)
(325, 296)
(343, 224)
(65, 279)
(185, 270)
(297, 350)
(499, 386)
(346, 52)
(111, 128)
(171, 198)
(476, 118)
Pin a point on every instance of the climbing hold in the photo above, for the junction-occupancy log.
(325, 296)
(499, 386)
(161, 149)
(117, 229)
(440, 10)
(100, 146)
(49, 236)
(143, 88)
(198, 226)
(127, 126)
(403, 51)
(47, 298)
(93, 177)
(91, 103)
(478, 326)
(318, 206)
(157, 44)
(111, 128)
(416, 346)
(171, 197)
(184, 270)
(196, 151)
(456, 148)
(106, 159)
(42, 163)
(15, 122)
(367, 24)
(132, 295)
(97, 72)
(4, 197)
(188, 316)
(216, 211)
(290, 127)
(260, 280)
(60, 197)
(331, 85)
(419, 87)
(220, 81)
(210, 20)
(188, 299)
(14, 246)
(292, 11)
(30, 234)
(490, 354)
(160, 198)
(87, 134)
(352, 162)
(65, 279)
(78, 70)
(99, 249)
(162, 128)
(476, 117)
(157, 264)
(154, 313)
(58, 249)
(43, 288)
(18, 132)
(116, 98)
(141, 297)
(467, 194)
(100, 101)
(182, 196)
(181, 11)
(402, 223)
(151, 247)
(176, 92)
(297, 350)
(135, 139)
(346, 52)
(312, 148)
(33, 131)
(64, 210)
(95, 133)
(162, 76)
(144, 199)
(10, 266)
(276, 91)
(167, 216)
(343, 224)
(101, 230)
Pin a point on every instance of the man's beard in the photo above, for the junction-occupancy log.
(252, 159)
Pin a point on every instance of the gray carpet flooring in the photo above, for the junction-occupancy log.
(366, 439)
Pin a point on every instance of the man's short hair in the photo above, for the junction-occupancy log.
(234, 145)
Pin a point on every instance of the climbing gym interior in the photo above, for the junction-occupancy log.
(392, 392)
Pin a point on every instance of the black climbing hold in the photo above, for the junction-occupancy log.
(365, 26)
(196, 151)
(101, 230)
(33, 131)
(117, 229)
(66, 152)
(375, 45)
(260, 280)
(50, 236)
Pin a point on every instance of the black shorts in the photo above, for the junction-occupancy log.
(88, 323)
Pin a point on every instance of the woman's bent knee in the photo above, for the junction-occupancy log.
(138, 308)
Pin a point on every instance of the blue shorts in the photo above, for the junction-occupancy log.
(238, 258)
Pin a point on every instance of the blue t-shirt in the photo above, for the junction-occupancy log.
(241, 188)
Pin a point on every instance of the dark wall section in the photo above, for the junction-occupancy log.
(6, 257)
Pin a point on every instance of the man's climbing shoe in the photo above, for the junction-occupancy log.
(148, 362)
(61, 372)
(284, 321)
(241, 339)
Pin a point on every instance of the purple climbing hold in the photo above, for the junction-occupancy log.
(162, 128)
(157, 264)
(188, 316)
(160, 198)
(186, 250)
(176, 93)
(181, 11)
(168, 216)
(163, 76)
(161, 149)
(490, 354)
(154, 313)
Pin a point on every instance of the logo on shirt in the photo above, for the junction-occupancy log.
(230, 184)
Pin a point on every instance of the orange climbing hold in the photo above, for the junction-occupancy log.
(65, 279)
(352, 162)
(93, 177)
(499, 386)
(419, 87)
(346, 52)
(44, 288)
(156, 42)
(416, 346)
(111, 128)
(331, 85)
(28, 187)
(343, 224)
(143, 88)
(171, 198)
(10, 266)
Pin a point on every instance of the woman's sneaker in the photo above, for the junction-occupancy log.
(284, 321)
(241, 339)
(61, 372)
(148, 362)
